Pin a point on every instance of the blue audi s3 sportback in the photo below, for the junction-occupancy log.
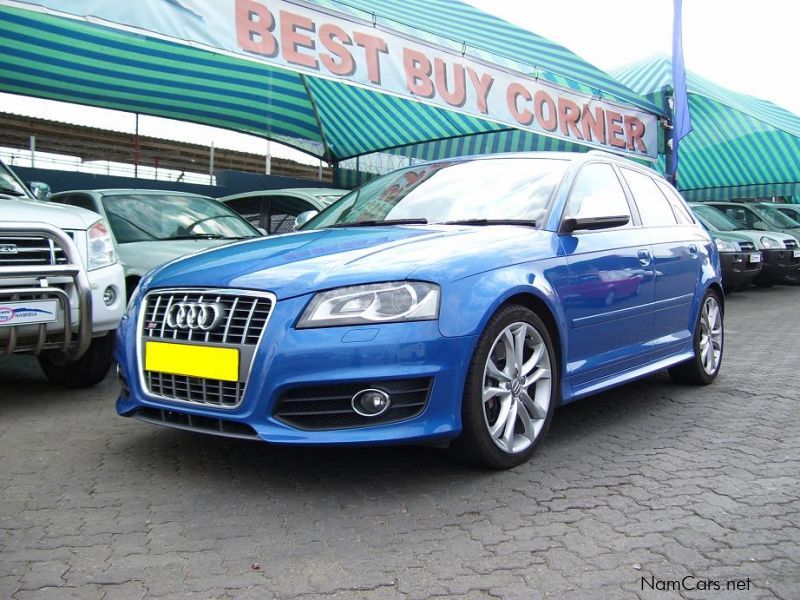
(456, 302)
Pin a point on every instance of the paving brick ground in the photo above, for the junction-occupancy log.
(650, 480)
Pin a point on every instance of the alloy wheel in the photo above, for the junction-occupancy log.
(516, 387)
(710, 335)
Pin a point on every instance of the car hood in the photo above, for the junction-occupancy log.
(64, 217)
(299, 263)
(140, 257)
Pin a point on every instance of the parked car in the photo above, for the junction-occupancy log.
(275, 211)
(758, 216)
(153, 227)
(446, 303)
(740, 251)
(773, 213)
(780, 248)
(61, 286)
(790, 210)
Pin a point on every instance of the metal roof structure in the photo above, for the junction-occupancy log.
(165, 59)
(740, 147)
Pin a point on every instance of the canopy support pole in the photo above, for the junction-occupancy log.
(669, 143)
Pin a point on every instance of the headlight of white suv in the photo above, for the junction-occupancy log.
(101, 246)
(771, 243)
(371, 304)
(726, 246)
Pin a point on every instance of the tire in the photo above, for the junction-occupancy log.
(699, 370)
(512, 444)
(89, 369)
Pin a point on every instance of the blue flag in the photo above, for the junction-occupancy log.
(682, 121)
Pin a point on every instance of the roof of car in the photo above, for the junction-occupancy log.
(128, 191)
(571, 156)
(309, 191)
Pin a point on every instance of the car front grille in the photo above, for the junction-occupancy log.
(244, 317)
(197, 423)
(329, 406)
(29, 251)
(747, 246)
(790, 244)
(242, 324)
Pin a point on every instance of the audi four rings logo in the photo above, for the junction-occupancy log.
(8, 249)
(195, 315)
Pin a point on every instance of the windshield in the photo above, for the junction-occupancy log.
(776, 217)
(715, 219)
(148, 217)
(494, 189)
(10, 185)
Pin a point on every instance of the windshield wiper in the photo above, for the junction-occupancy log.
(524, 222)
(379, 223)
(11, 191)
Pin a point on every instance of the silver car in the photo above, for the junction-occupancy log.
(275, 211)
(153, 227)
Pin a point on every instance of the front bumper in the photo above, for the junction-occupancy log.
(779, 266)
(288, 359)
(738, 269)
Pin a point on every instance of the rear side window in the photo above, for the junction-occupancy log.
(249, 208)
(652, 204)
(597, 193)
(283, 210)
(675, 201)
(80, 200)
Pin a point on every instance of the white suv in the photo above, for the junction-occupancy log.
(62, 290)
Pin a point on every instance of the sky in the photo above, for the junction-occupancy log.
(749, 47)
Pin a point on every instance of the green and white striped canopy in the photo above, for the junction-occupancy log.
(83, 61)
(740, 147)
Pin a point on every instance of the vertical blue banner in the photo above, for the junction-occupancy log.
(681, 119)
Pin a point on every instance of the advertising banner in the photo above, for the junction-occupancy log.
(310, 39)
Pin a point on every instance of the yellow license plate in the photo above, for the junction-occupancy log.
(193, 361)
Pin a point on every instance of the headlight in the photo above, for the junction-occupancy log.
(726, 246)
(771, 243)
(101, 247)
(374, 303)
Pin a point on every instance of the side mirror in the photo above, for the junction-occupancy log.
(39, 189)
(571, 224)
(303, 218)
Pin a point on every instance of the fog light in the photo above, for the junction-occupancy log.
(371, 403)
(109, 296)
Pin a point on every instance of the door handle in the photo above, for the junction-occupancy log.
(644, 257)
(692, 248)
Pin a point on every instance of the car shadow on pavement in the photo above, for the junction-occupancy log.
(245, 465)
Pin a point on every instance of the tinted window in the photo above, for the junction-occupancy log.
(597, 193)
(249, 208)
(283, 210)
(745, 217)
(652, 204)
(716, 219)
(80, 200)
(676, 202)
(497, 188)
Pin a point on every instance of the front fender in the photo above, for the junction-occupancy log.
(469, 303)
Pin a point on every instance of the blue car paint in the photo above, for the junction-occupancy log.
(604, 340)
